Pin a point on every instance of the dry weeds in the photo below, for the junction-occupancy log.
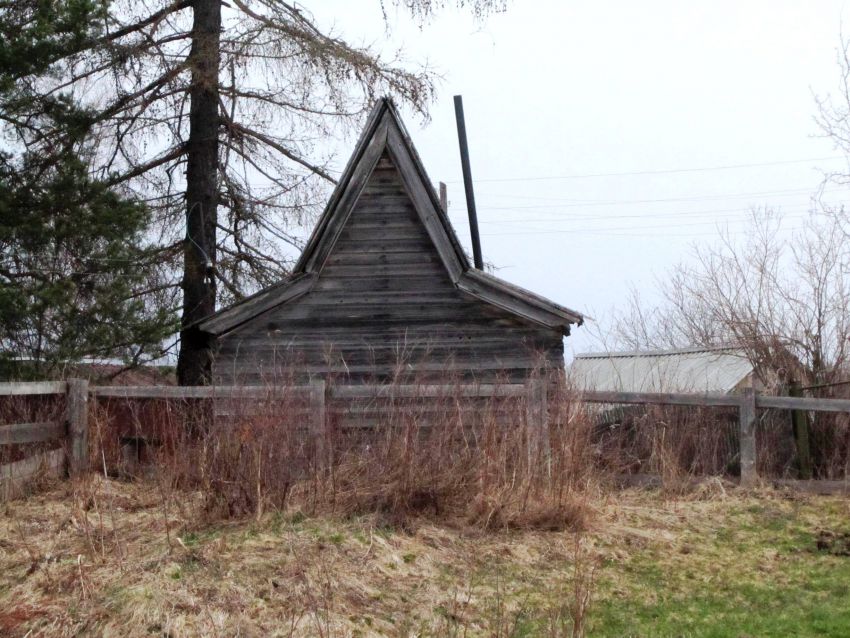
(106, 558)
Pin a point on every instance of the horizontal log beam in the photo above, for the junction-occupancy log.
(32, 387)
(464, 390)
(199, 392)
(426, 391)
(18, 433)
(659, 398)
(336, 392)
(803, 403)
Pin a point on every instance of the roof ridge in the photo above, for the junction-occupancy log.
(621, 354)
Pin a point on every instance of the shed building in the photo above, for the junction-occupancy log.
(383, 286)
(719, 369)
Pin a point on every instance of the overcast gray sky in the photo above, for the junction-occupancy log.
(575, 110)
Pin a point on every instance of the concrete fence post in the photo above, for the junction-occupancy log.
(77, 408)
(747, 421)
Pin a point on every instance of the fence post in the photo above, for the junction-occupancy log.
(78, 425)
(537, 417)
(318, 419)
(747, 421)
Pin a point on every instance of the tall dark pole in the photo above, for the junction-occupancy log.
(467, 184)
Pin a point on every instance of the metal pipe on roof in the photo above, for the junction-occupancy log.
(467, 184)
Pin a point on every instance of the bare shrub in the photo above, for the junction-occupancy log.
(484, 461)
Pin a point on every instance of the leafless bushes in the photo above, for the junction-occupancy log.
(473, 460)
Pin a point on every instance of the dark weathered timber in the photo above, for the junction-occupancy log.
(233, 316)
(17, 433)
(378, 304)
(385, 298)
(199, 247)
(371, 138)
(326, 233)
(431, 216)
(516, 299)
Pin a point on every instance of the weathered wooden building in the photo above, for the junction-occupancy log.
(383, 287)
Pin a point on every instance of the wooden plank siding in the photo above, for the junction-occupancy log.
(384, 299)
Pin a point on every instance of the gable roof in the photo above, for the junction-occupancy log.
(385, 133)
(717, 369)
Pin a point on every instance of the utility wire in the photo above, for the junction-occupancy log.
(689, 198)
(671, 171)
(686, 214)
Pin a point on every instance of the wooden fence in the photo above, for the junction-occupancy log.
(73, 431)
(70, 432)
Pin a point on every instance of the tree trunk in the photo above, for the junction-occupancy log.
(194, 361)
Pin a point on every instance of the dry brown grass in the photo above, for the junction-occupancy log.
(105, 557)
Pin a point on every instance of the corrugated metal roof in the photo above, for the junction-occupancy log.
(686, 370)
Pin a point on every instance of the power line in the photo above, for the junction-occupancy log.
(539, 231)
(671, 171)
(723, 212)
(619, 233)
(691, 198)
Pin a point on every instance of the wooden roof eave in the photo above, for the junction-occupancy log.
(229, 318)
(518, 300)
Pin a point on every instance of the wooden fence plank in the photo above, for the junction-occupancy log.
(712, 399)
(17, 433)
(14, 475)
(32, 387)
(199, 392)
(426, 391)
(803, 403)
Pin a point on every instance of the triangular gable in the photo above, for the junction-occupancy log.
(385, 133)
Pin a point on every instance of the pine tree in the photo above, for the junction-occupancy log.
(76, 277)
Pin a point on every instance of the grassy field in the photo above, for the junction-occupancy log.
(112, 559)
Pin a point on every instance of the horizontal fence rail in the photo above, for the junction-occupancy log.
(333, 391)
(19, 433)
(713, 399)
(13, 475)
(658, 398)
(32, 387)
(73, 430)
